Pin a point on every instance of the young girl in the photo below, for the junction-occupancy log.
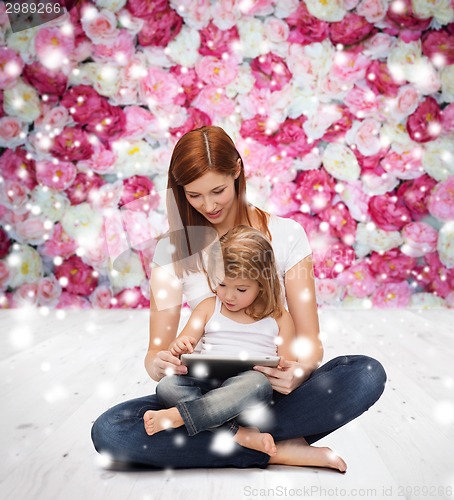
(247, 316)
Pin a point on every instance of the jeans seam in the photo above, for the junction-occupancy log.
(186, 416)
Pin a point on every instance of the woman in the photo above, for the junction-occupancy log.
(207, 190)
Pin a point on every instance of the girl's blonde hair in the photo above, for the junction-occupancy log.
(206, 149)
(244, 252)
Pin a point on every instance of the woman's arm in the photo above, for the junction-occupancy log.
(166, 294)
(287, 336)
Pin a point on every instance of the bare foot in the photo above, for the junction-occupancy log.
(298, 452)
(255, 440)
(156, 421)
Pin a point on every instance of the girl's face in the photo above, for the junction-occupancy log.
(237, 293)
(212, 195)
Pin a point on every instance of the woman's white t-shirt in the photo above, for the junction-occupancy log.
(290, 245)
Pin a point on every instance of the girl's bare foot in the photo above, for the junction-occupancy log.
(156, 421)
(255, 440)
(298, 452)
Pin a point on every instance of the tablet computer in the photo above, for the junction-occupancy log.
(223, 366)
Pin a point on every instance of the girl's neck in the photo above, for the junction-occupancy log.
(239, 316)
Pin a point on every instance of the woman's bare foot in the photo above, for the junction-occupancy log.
(298, 452)
(156, 421)
(252, 438)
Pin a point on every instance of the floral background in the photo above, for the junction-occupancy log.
(342, 110)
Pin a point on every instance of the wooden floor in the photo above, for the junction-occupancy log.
(59, 372)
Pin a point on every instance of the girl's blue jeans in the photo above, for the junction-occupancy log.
(336, 393)
(206, 404)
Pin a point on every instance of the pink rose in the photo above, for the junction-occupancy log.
(380, 80)
(215, 42)
(338, 129)
(139, 122)
(83, 102)
(159, 28)
(415, 195)
(388, 212)
(14, 195)
(108, 122)
(331, 262)
(392, 266)
(281, 200)
(419, 238)
(57, 176)
(121, 50)
(258, 8)
(72, 301)
(130, 298)
(447, 119)
(101, 298)
(196, 119)
(315, 188)
(349, 66)
(83, 187)
(403, 22)
(101, 162)
(5, 243)
(189, 83)
(365, 135)
(407, 100)
(97, 255)
(59, 244)
(158, 87)
(52, 45)
(101, 27)
(277, 30)
(441, 200)
(404, 166)
(392, 295)
(32, 230)
(79, 276)
(72, 144)
(16, 166)
(373, 10)
(142, 9)
(425, 123)
(328, 291)
(5, 275)
(53, 118)
(49, 291)
(11, 66)
(341, 223)
(214, 102)
(10, 132)
(139, 194)
(358, 280)
(26, 295)
(291, 138)
(350, 30)
(214, 71)
(258, 128)
(438, 45)
(270, 72)
(378, 45)
(362, 102)
(305, 28)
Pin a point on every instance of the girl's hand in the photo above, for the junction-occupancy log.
(286, 377)
(165, 363)
(182, 345)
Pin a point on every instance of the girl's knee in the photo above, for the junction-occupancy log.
(166, 386)
(260, 383)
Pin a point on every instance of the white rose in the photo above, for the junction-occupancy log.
(133, 157)
(396, 136)
(252, 37)
(284, 8)
(378, 46)
(196, 15)
(438, 158)
(311, 161)
(127, 272)
(365, 135)
(328, 10)
(243, 82)
(340, 162)
(23, 42)
(426, 301)
(447, 83)
(258, 190)
(83, 224)
(184, 49)
(375, 185)
(441, 10)
(328, 291)
(130, 23)
(302, 102)
(370, 237)
(424, 76)
(321, 120)
(112, 5)
(22, 101)
(52, 204)
(402, 57)
(445, 245)
(103, 77)
(25, 265)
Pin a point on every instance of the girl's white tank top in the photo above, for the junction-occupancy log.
(225, 336)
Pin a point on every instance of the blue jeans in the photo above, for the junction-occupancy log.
(207, 404)
(336, 393)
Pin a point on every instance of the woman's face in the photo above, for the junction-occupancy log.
(212, 195)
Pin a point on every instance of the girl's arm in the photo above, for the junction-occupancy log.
(287, 336)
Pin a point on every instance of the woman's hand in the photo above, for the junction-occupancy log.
(165, 363)
(287, 376)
